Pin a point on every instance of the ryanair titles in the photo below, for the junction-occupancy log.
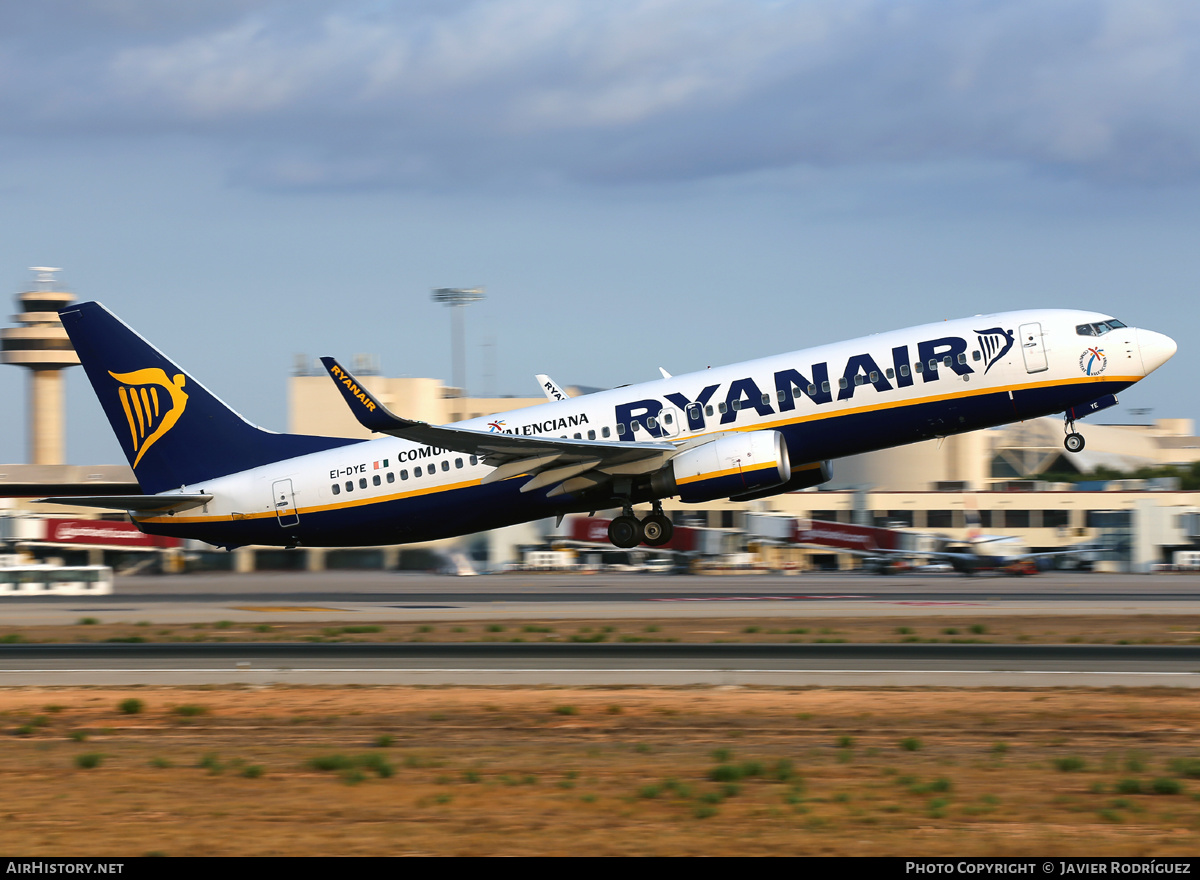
(642, 419)
(340, 375)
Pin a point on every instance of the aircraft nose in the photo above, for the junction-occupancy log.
(1156, 349)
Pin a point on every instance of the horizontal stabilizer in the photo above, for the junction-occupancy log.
(135, 503)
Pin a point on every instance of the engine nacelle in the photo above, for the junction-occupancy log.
(733, 465)
(804, 476)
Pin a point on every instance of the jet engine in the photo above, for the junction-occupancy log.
(736, 464)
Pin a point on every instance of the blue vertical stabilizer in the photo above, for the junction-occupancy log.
(173, 430)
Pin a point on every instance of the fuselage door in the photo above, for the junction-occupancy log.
(668, 420)
(1033, 349)
(284, 502)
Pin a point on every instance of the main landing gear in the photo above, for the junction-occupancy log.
(1073, 441)
(627, 530)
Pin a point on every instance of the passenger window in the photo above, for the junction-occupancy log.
(620, 429)
(474, 460)
(578, 436)
(933, 364)
(391, 477)
(842, 383)
(779, 395)
(376, 480)
(349, 485)
(446, 465)
(891, 374)
(737, 405)
(668, 419)
(904, 371)
(975, 355)
(591, 435)
(812, 390)
(404, 475)
(337, 490)
(962, 358)
(708, 410)
(458, 462)
(825, 386)
(918, 367)
(417, 471)
(722, 408)
(948, 361)
(651, 424)
(362, 482)
(766, 399)
(604, 432)
(858, 379)
(874, 376)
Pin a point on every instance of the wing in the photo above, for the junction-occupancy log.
(564, 465)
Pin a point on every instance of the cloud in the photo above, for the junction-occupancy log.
(306, 94)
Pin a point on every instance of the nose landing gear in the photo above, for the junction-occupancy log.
(1073, 441)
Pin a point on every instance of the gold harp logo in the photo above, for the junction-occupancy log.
(151, 414)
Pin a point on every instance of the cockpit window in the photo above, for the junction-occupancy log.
(1099, 328)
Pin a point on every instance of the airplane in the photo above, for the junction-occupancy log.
(745, 431)
(980, 552)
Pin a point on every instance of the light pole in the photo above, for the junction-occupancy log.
(457, 298)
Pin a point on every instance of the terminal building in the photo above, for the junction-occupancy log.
(1012, 477)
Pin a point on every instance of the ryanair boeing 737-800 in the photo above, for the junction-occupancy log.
(744, 431)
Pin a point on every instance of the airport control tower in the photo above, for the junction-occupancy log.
(40, 344)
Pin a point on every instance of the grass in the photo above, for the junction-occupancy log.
(131, 706)
(639, 777)
(352, 768)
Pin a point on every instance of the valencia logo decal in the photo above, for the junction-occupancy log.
(1093, 362)
(150, 414)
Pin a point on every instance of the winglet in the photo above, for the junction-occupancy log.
(551, 388)
(371, 414)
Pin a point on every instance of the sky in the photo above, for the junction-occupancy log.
(635, 183)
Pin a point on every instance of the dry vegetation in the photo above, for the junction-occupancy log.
(491, 771)
(980, 628)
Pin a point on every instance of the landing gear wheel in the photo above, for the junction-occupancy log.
(625, 532)
(1074, 442)
(657, 530)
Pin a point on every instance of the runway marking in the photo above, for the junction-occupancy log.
(271, 608)
(746, 598)
(914, 602)
(589, 670)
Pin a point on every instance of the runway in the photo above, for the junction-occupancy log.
(476, 664)
(391, 596)
(348, 595)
